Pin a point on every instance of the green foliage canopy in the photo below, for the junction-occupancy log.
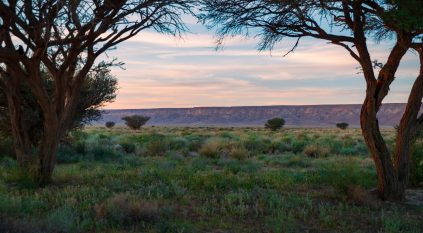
(275, 123)
(135, 122)
(342, 125)
(99, 88)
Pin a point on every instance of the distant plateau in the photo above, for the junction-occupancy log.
(296, 116)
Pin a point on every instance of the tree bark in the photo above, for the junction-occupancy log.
(392, 175)
(36, 160)
(387, 178)
(22, 144)
(407, 131)
(389, 186)
(48, 151)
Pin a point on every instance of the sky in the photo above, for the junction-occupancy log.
(165, 72)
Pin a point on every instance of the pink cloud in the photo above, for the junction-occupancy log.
(165, 72)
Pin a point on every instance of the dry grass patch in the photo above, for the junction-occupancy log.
(126, 209)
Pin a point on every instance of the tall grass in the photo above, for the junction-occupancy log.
(202, 180)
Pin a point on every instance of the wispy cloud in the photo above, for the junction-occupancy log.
(162, 71)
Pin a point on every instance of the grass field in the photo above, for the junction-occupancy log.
(205, 180)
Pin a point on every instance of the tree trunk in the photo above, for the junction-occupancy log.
(407, 131)
(389, 184)
(22, 145)
(387, 178)
(41, 168)
(48, 148)
(393, 175)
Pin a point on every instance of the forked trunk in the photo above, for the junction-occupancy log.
(393, 175)
(387, 178)
(392, 179)
(39, 167)
(48, 150)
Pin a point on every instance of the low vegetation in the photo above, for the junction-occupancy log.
(206, 180)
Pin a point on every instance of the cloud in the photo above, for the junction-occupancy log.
(162, 71)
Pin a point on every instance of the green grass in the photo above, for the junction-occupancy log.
(161, 180)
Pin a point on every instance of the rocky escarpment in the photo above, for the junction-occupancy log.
(311, 115)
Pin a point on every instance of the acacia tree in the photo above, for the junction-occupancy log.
(274, 123)
(97, 90)
(135, 122)
(349, 24)
(65, 37)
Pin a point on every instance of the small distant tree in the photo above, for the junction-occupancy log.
(135, 122)
(110, 124)
(275, 123)
(342, 125)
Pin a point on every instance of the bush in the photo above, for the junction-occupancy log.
(135, 122)
(125, 209)
(275, 123)
(110, 124)
(258, 145)
(67, 154)
(211, 148)
(63, 219)
(316, 151)
(342, 125)
(238, 152)
(98, 88)
(298, 145)
(127, 146)
(178, 143)
(157, 145)
(195, 141)
(416, 166)
(280, 146)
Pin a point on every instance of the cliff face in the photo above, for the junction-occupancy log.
(313, 115)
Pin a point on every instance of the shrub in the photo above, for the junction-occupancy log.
(275, 123)
(342, 125)
(257, 144)
(238, 152)
(178, 143)
(211, 148)
(110, 124)
(135, 122)
(125, 209)
(416, 166)
(63, 219)
(316, 151)
(348, 151)
(280, 146)
(67, 154)
(298, 146)
(102, 153)
(155, 148)
(79, 147)
(157, 145)
(127, 146)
